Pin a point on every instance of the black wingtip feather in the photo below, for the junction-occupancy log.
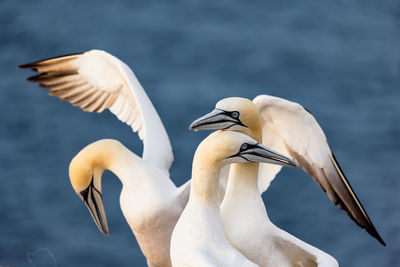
(370, 228)
(35, 64)
(49, 75)
(28, 66)
(35, 78)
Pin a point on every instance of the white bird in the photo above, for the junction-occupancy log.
(150, 201)
(198, 238)
(287, 128)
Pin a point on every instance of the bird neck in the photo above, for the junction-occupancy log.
(254, 129)
(242, 206)
(103, 155)
(243, 181)
(205, 182)
(256, 133)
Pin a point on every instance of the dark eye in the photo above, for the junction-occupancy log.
(244, 146)
(235, 114)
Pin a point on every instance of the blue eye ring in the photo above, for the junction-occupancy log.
(235, 114)
(244, 146)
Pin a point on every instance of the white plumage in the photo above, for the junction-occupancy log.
(198, 238)
(289, 129)
(151, 203)
(96, 81)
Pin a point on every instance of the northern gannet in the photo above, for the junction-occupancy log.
(150, 201)
(289, 129)
(198, 238)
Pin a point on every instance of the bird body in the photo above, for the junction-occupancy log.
(285, 127)
(95, 81)
(290, 129)
(198, 238)
(150, 202)
(302, 138)
(248, 228)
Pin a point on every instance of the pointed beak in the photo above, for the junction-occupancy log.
(93, 200)
(260, 153)
(215, 120)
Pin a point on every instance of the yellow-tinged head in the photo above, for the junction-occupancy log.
(224, 147)
(85, 172)
(233, 113)
(80, 173)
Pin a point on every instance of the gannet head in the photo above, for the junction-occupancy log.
(86, 181)
(227, 147)
(233, 113)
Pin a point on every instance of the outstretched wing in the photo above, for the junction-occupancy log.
(290, 129)
(95, 81)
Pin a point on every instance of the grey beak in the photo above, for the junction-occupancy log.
(215, 120)
(260, 153)
(94, 202)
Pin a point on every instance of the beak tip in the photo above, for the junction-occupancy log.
(293, 164)
(105, 231)
(192, 127)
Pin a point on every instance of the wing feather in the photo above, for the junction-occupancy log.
(99, 103)
(117, 107)
(88, 101)
(76, 99)
(49, 61)
(65, 93)
(132, 117)
(67, 85)
(125, 112)
(96, 80)
(46, 83)
(309, 147)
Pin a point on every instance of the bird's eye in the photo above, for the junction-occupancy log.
(235, 114)
(244, 146)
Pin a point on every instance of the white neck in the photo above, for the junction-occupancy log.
(131, 170)
(120, 161)
(242, 196)
(205, 184)
(243, 181)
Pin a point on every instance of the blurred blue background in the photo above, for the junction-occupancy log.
(339, 59)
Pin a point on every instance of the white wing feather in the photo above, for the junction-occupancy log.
(291, 130)
(96, 80)
(288, 126)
